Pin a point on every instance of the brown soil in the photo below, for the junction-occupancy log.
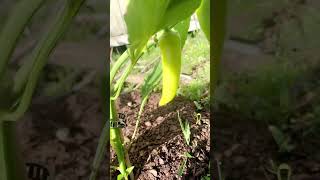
(157, 151)
(62, 136)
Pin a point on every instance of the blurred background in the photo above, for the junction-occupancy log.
(267, 104)
(62, 127)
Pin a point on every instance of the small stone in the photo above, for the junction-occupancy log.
(153, 172)
(165, 149)
(161, 162)
(63, 134)
(159, 119)
(129, 104)
(148, 123)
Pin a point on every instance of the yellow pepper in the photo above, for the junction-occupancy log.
(170, 47)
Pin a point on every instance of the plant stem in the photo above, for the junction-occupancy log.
(11, 166)
(101, 150)
(122, 59)
(115, 139)
(143, 103)
(18, 19)
(219, 13)
(40, 56)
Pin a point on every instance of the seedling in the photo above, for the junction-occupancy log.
(185, 127)
(183, 165)
(281, 171)
(282, 140)
(197, 118)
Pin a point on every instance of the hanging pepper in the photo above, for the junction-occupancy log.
(170, 47)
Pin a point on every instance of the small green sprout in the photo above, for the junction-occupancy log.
(185, 127)
(183, 165)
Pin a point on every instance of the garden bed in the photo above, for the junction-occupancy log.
(157, 151)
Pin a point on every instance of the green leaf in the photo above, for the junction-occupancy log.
(188, 155)
(203, 14)
(129, 170)
(179, 10)
(182, 28)
(282, 140)
(185, 127)
(120, 177)
(144, 18)
(182, 167)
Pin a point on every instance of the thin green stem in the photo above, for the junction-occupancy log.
(41, 54)
(15, 25)
(122, 59)
(143, 103)
(119, 84)
(115, 139)
(101, 150)
(11, 166)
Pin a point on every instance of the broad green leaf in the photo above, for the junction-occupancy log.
(182, 28)
(179, 10)
(203, 14)
(142, 19)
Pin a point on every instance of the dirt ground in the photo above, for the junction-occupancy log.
(157, 151)
(62, 136)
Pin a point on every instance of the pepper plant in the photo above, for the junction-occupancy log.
(169, 20)
(17, 88)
